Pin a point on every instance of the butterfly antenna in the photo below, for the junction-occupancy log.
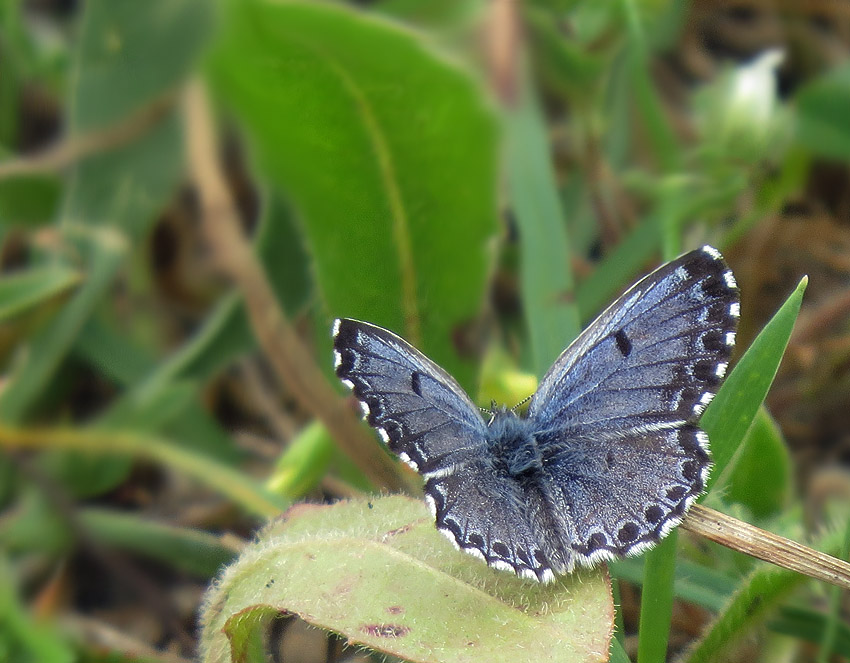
(521, 403)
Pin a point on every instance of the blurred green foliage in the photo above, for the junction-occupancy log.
(385, 173)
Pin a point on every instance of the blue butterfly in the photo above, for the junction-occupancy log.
(609, 456)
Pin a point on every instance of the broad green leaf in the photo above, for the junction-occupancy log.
(35, 526)
(23, 290)
(435, 13)
(129, 56)
(120, 68)
(388, 153)
(730, 414)
(280, 247)
(822, 114)
(380, 574)
(761, 477)
(545, 270)
(112, 352)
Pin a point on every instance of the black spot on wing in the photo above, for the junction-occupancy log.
(415, 383)
(624, 344)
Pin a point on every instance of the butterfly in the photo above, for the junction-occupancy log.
(609, 456)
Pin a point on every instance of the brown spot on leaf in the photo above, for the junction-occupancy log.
(385, 630)
(395, 610)
(399, 530)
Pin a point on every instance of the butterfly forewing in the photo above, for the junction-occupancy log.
(418, 409)
(653, 358)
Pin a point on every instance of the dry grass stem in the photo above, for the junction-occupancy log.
(758, 543)
(74, 148)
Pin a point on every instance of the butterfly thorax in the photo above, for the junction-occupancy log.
(515, 451)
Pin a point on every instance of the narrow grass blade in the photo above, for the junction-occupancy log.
(51, 343)
(732, 411)
(238, 487)
(193, 551)
(656, 606)
(19, 292)
(547, 283)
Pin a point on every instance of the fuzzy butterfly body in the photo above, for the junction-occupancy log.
(609, 456)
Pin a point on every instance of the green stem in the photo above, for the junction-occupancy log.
(235, 485)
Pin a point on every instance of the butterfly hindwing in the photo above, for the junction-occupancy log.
(624, 498)
(426, 418)
(487, 514)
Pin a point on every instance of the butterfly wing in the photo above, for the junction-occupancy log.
(418, 409)
(425, 417)
(615, 416)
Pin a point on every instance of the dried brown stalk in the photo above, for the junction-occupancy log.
(75, 148)
(758, 543)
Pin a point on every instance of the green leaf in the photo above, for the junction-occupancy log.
(50, 344)
(28, 200)
(394, 182)
(380, 574)
(730, 414)
(24, 290)
(119, 68)
(656, 606)
(571, 69)
(189, 550)
(761, 477)
(280, 247)
(237, 486)
(811, 626)
(545, 271)
(304, 462)
(822, 114)
(120, 71)
(693, 583)
(23, 638)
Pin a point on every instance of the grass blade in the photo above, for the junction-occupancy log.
(732, 411)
